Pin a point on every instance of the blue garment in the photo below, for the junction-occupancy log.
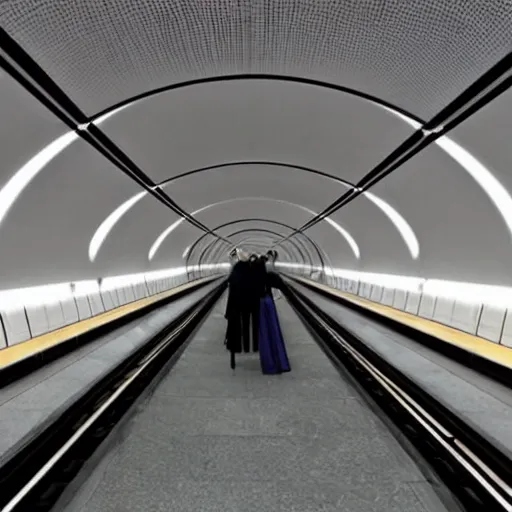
(273, 356)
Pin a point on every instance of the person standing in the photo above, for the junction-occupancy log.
(272, 348)
(238, 306)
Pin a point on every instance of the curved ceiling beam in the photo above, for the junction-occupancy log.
(494, 190)
(23, 176)
(213, 252)
(207, 249)
(394, 216)
(211, 245)
(269, 163)
(189, 251)
(345, 234)
(403, 227)
(113, 109)
(309, 240)
(497, 193)
(252, 244)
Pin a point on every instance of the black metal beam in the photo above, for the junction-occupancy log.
(20, 65)
(493, 83)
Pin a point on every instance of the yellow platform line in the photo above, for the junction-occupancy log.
(469, 342)
(16, 353)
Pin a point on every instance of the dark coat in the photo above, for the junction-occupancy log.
(239, 280)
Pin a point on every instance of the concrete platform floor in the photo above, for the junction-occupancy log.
(208, 439)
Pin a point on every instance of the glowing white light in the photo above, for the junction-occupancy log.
(107, 225)
(403, 227)
(185, 252)
(106, 116)
(15, 186)
(463, 292)
(44, 295)
(401, 224)
(342, 231)
(82, 288)
(348, 237)
(34, 296)
(166, 232)
(496, 192)
(112, 283)
(160, 240)
(472, 293)
(407, 283)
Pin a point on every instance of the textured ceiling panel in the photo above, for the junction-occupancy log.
(210, 124)
(26, 127)
(417, 54)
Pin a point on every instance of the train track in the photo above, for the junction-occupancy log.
(36, 476)
(477, 474)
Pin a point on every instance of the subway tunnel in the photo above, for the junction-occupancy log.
(366, 141)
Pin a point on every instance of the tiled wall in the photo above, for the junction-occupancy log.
(470, 310)
(30, 312)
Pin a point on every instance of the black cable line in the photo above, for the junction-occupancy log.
(33, 78)
(492, 83)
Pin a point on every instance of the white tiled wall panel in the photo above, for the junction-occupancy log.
(443, 310)
(37, 320)
(3, 339)
(413, 302)
(387, 296)
(376, 293)
(506, 338)
(427, 305)
(365, 290)
(70, 311)
(16, 326)
(487, 321)
(22, 323)
(465, 317)
(130, 296)
(96, 304)
(400, 299)
(491, 323)
(84, 308)
(123, 299)
(55, 316)
(108, 300)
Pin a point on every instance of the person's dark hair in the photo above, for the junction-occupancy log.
(272, 254)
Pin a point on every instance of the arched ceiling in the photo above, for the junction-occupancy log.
(127, 116)
(415, 54)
